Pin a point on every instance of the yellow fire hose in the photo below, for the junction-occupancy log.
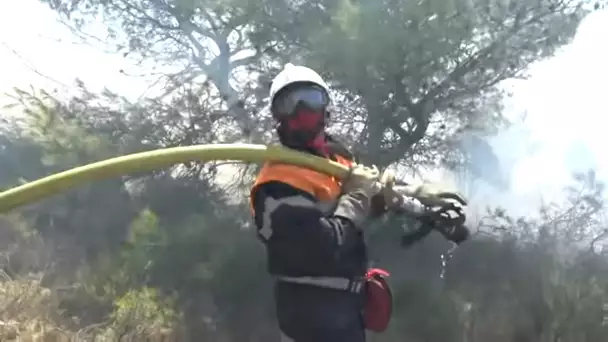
(151, 160)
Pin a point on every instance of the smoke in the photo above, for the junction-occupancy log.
(559, 118)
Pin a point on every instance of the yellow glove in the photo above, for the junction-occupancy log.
(362, 178)
(359, 187)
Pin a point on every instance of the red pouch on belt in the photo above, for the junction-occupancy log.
(379, 300)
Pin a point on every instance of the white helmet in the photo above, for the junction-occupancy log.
(294, 74)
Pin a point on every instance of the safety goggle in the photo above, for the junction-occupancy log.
(311, 97)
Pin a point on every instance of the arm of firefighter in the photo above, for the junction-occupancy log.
(294, 216)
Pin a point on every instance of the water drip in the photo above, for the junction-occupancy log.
(445, 258)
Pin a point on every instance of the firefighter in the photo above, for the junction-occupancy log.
(312, 225)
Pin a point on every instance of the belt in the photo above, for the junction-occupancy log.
(345, 284)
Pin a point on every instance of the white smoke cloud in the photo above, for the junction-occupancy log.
(563, 129)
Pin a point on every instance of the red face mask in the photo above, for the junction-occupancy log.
(307, 127)
(305, 120)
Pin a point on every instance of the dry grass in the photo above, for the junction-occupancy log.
(31, 311)
(28, 312)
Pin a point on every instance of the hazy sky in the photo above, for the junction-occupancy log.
(565, 101)
(40, 42)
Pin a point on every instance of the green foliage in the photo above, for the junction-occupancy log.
(153, 253)
(145, 308)
(116, 274)
(419, 73)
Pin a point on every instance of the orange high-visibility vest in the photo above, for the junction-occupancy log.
(323, 187)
